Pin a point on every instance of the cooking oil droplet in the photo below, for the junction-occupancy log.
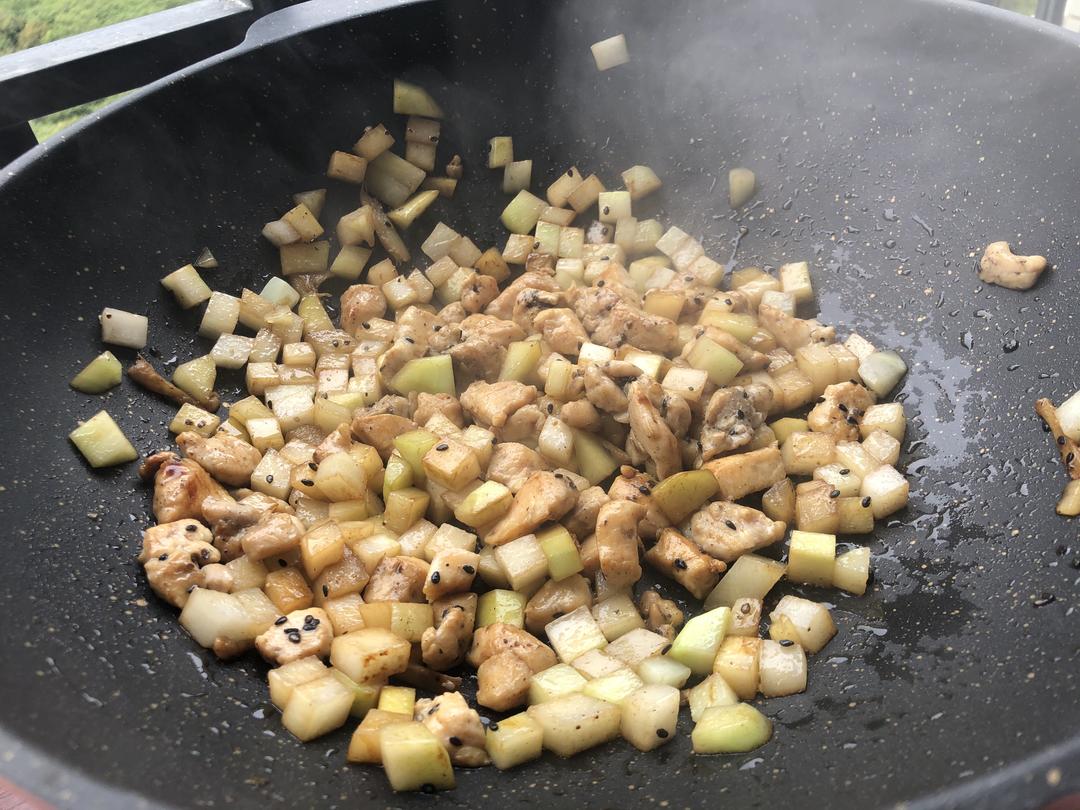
(889, 215)
(890, 243)
(967, 340)
(1010, 346)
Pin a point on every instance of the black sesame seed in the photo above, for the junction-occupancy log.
(438, 327)
(557, 614)
(435, 578)
(163, 557)
(551, 407)
(307, 482)
(313, 466)
(845, 471)
(644, 490)
(1069, 458)
(432, 710)
(866, 502)
(441, 447)
(269, 479)
(739, 413)
(834, 494)
(842, 407)
(786, 642)
(409, 340)
(366, 324)
(820, 399)
(325, 590)
(851, 420)
(1061, 440)
(494, 726)
(455, 741)
(662, 733)
(745, 608)
(730, 524)
(280, 620)
(494, 440)
(666, 649)
(192, 527)
(600, 283)
(680, 563)
(688, 279)
(469, 569)
(282, 563)
(607, 210)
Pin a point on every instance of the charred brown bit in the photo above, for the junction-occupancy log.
(1068, 449)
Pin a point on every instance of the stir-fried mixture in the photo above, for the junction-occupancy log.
(469, 473)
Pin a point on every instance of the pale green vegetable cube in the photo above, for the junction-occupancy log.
(682, 494)
(101, 441)
(640, 181)
(749, 576)
(522, 358)
(365, 695)
(317, 707)
(614, 688)
(500, 606)
(516, 176)
(649, 716)
(101, 374)
(700, 638)
(413, 757)
(197, 377)
(500, 151)
(741, 186)
(523, 212)
(617, 616)
(485, 504)
(556, 681)
(663, 669)
(524, 562)
(593, 460)
(575, 723)
(287, 677)
(429, 375)
(709, 356)
(188, 287)
(614, 205)
(811, 558)
(575, 634)
(411, 99)
(515, 740)
(852, 570)
(731, 730)
(563, 556)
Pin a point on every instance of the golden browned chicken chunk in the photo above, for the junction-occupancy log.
(731, 417)
(512, 463)
(502, 681)
(361, 303)
(173, 554)
(617, 542)
(840, 410)
(180, 486)
(427, 405)
(661, 615)
(274, 534)
(295, 636)
(380, 430)
(650, 432)
(445, 645)
(681, 560)
(492, 404)
(561, 329)
(503, 306)
(727, 530)
(631, 485)
(452, 571)
(457, 727)
(544, 497)
(791, 332)
(581, 522)
(555, 599)
(397, 579)
(228, 459)
(493, 639)
(612, 321)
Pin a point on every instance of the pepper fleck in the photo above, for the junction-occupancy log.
(680, 563)
(662, 733)
(730, 524)
(866, 502)
(441, 447)
(786, 642)
(163, 557)
(834, 494)
(842, 407)
(409, 339)
(366, 324)
(435, 578)
(551, 407)
(469, 569)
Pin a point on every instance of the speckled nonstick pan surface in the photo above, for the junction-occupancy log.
(891, 142)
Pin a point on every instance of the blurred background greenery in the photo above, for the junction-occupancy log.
(26, 23)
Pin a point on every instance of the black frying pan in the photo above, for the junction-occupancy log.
(891, 141)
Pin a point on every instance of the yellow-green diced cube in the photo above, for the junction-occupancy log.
(400, 699)
(514, 740)
(101, 374)
(731, 730)
(812, 558)
(365, 695)
(614, 688)
(664, 670)
(783, 428)
(561, 551)
(485, 504)
(700, 638)
(721, 365)
(101, 441)
(495, 606)
(561, 679)
(193, 418)
(414, 757)
(412, 446)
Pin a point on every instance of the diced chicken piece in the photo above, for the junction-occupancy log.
(338, 441)
(480, 292)
(493, 639)
(650, 432)
(530, 303)
(496, 330)
(581, 522)
(555, 599)
(512, 464)
(397, 579)
(228, 519)
(457, 726)
(791, 332)
(230, 460)
(617, 542)
(380, 430)
(999, 265)
(503, 682)
(732, 416)
(173, 554)
(632, 485)
(453, 314)
(503, 306)
(427, 405)
(452, 571)
(478, 359)
(491, 404)
(275, 533)
(613, 322)
(661, 615)
(544, 497)
(727, 530)
(682, 560)
(359, 304)
(561, 329)
(391, 404)
(840, 411)
(180, 486)
(602, 391)
(524, 424)
(217, 577)
(742, 473)
(445, 645)
(580, 414)
(295, 636)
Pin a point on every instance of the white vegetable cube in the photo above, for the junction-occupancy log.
(597, 664)
(421, 155)
(888, 416)
(795, 279)
(731, 730)
(662, 669)
(782, 669)
(840, 478)
(500, 151)
(882, 446)
(373, 142)
(575, 634)
(193, 418)
(887, 490)
(524, 563)
(751, 575)
(689, 383)
(559, 192)
(852, 571)
(464, 252)
(571, 243)
(317, 707)
(287, 677)
(640, 181)
(350, 262)
(517, 175)
(221, 315)
(413, 757)
(124, 328)
(187, 285)
(101, 441)
(855, 515)
(817, 363)
(575, 723)
(271, 475)
(811, 558)
(614, 206)
(802, 621)
(853, 456)
(882, 371)
(737, 663)
(745, 617)
(594, 353)
(556, 441)
(636, 645)
(649, 716)
(783, 301)
(370, 653)
(804, 452)
(293, 405)
(586, 194)
(547, 237)
(617, 615)
(515, 740)
(712, 691)
(700, 638)
(556, 681)
(610, 52)
(231, 351)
